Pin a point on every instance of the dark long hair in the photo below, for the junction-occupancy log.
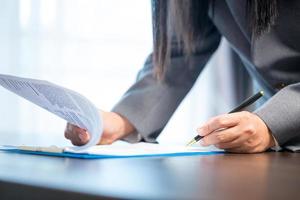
(186, 20)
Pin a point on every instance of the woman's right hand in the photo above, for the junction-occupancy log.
(115, 127)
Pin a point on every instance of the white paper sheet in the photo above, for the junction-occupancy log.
(121, 148)
(60, 101)
(118, 149)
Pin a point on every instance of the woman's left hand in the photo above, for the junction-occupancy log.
(241, 132)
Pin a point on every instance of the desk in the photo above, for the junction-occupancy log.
(231, 176)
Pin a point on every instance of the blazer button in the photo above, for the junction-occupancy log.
(279, 86)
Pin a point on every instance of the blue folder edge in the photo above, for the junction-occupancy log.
(93, 156)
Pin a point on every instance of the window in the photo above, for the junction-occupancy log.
(94, 47)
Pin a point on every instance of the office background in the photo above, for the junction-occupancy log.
(94, 47)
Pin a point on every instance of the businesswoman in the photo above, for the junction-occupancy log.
(266, 36)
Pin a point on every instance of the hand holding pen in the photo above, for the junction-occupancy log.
(237, 131)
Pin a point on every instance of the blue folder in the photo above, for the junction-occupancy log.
(99, 156)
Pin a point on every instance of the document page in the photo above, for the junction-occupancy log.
(60, 101)
(121, 148)
(118, 149)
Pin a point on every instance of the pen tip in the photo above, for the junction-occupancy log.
(191, 143)
(262, 93)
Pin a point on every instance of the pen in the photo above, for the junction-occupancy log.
(244, 104)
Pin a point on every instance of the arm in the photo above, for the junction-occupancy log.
(282, 114)
(149, 103)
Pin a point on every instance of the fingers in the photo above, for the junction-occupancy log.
(108, 139)
(105, 141)
(224, 136)
(242, 145)
(241, 132)
(219, 122)
(78, 136)
(234, 144)
(226, 131)
(228, 138)
(229, 145)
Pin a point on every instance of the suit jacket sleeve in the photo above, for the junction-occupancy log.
(282, 114)
(149, 103)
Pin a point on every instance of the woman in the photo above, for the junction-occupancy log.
(265, 35)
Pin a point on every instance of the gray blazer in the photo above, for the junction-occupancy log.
(273, 60)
